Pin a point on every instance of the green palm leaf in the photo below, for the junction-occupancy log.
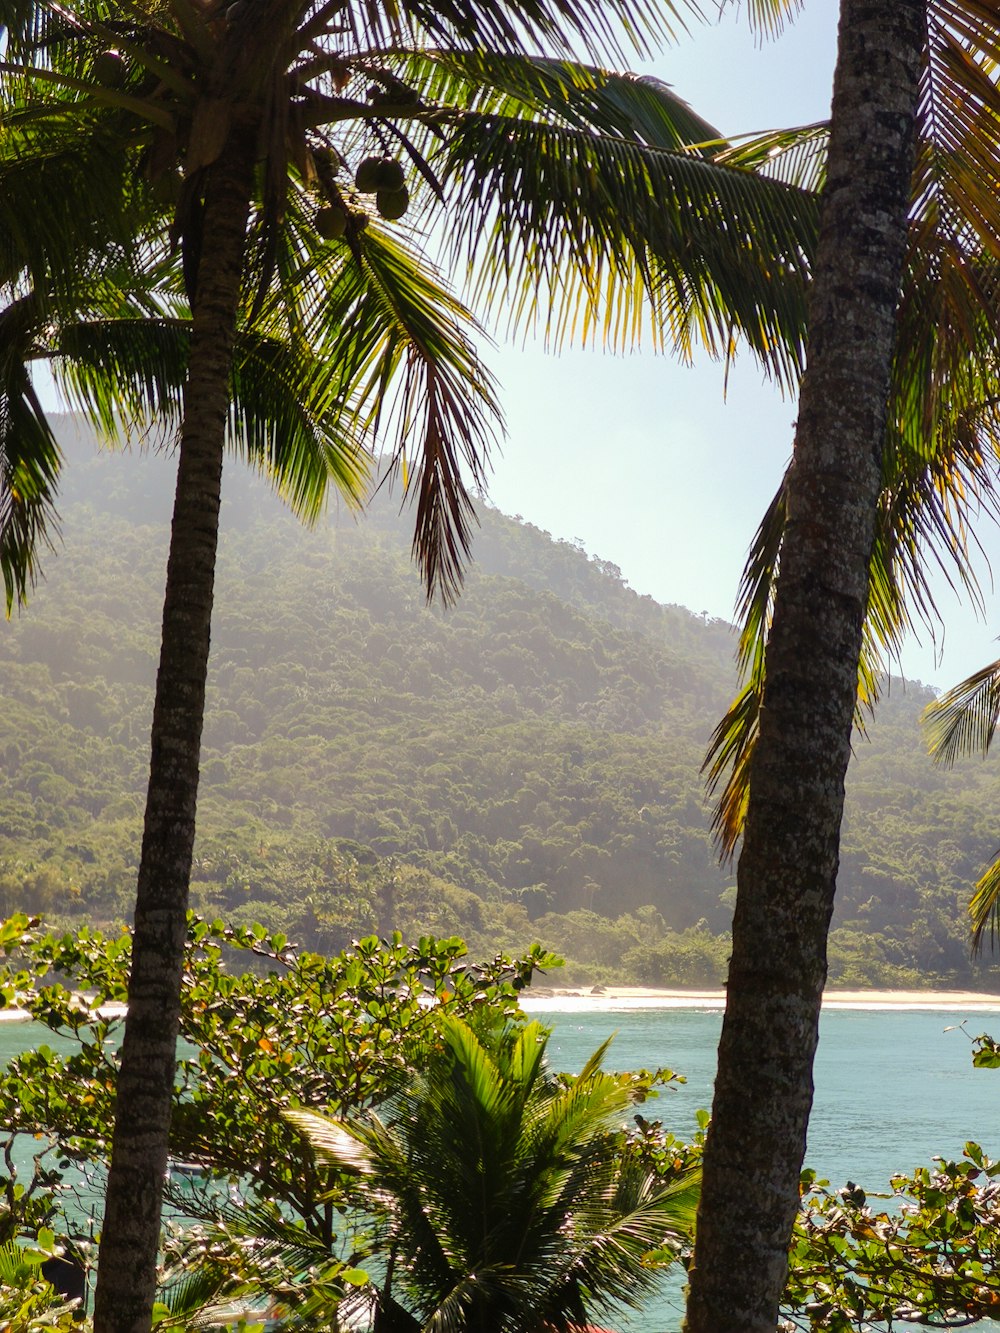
(617, 177)
(408, 370)
(67, 204)
(984, 908)
(579, 96)
(252, 1253)
(639, 1217)
(126, 372)
(795, 156)
(923, 522)
(29, 455)
(964, 721)
(504, 1194)
(613, 29)
(280, 420)
(332, 1141)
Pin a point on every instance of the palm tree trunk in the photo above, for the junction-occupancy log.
(131, 1233)
(788, 867)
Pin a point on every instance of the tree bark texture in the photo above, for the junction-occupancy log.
(131, 1232)
(788, 867)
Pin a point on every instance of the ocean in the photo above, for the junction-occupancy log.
(895, 1087)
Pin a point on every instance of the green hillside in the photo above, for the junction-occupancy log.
(523, 765)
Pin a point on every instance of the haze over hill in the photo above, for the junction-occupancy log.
(522, 765)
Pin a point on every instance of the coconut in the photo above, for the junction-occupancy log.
(389, 175)
(331, 222)
(367, 174)
(109, 69)
(392, 204)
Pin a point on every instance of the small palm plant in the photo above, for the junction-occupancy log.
(505, 1198)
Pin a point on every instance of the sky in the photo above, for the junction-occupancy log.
(662, 468)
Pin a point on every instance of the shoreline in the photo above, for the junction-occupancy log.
(651, 997)
(582, 999)
(14, 1015)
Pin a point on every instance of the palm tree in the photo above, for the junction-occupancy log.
(896, 62)
(504, 1198)
(943, 430)
(254, 114)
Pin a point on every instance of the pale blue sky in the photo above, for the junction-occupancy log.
(640, 457)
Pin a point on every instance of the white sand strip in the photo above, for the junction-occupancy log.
(643, 997)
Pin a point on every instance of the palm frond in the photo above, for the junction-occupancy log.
(267, 1256)
(286, 417)
(924, 508)
(583, 222)
(640, 1218)
(943, 441)
(410, 370)
(124, 372)
(491, 1286)
(984, 909)
(601, 29)
(796, 156)
(64, 203)
(770, 16)
(196, 1295)
(527, 1056)
(964, 720)
(22, 23)
(332, 1141)
(727, 764)
(639, 108)
(581, 198)
(29, 455)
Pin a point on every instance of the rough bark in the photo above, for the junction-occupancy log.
(131, 1231)
(788, 867)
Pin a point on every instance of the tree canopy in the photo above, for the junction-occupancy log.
(372, 763)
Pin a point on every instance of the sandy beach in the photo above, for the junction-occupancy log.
(582, 999)
(646, 997)
(22, 1016)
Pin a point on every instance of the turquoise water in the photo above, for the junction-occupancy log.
(894, 1087)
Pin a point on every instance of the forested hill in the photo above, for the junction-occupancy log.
(522, 765)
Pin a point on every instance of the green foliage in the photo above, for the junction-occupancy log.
(32, 1185)
(986, 1052)
(693, 957)
(297, 1030)
(925, 1255)
(28, 1302)
(523, 766)
(267, 1028)
(505, 1198)
(300, 1031)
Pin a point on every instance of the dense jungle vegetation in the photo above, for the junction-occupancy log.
(523, 766)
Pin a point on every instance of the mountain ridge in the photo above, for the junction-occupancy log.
(524, 764)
